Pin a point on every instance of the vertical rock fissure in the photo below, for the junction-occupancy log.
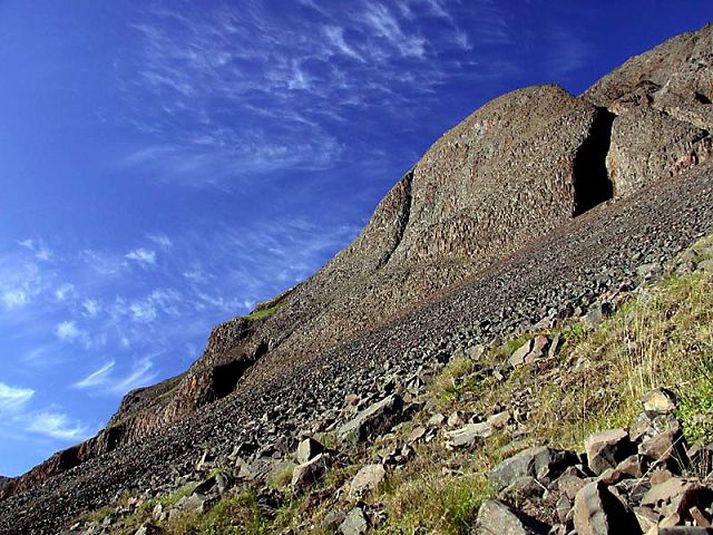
(404, 217)
(592, 185)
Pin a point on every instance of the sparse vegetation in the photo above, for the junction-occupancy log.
(259, 314)
(662, 336)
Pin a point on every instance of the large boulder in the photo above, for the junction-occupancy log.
(308, 449)
(307, 474)
(542, 463)
(497, 518)
(375, 419)
(607, 449)
(367, 479)
(598, 512)
(648, 145)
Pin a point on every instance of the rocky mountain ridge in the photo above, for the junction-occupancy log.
(523, 168)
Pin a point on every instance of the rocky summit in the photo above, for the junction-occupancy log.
(527, 213)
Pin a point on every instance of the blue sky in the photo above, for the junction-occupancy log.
(165, 165)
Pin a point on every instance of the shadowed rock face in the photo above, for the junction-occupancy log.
(519, 167)
(665, 116)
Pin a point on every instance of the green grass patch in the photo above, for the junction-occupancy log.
(261, 313)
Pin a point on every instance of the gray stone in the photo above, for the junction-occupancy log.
(496, 518)
(332, 520)
(195, 503)
(542, 463)
(469, 435)
(705, 266)
(518, 356)
(607, 449)
(436, 420)
(524, 488)
(147, 529)
(376, 419)
(455, 419)
(366, 479)
(416, 435)
(307, 474)
(355, 523)
(499, 420)
(598, 512)
(308, 449)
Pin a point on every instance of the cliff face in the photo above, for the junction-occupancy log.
(664, 114)
(519, 167)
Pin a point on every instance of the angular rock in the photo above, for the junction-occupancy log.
(542, 463)
(378, 418)
(416, 435)
(666, 449)
(436, 420)
(499, 420)
(307, 474)
(607, 449)
(332, 520)
(684, 530)
(496, 518)
(455, 419)
(659, 400)
(469, 435)
(569, 485)
(355, 523)
(308, 449)
(366, 479)
(518, 356)
(664, 492)
(195, 503)
(524, 488)
(539, 346)
(648, 145)
(148, 529)
(694, 497)
(598, 512)
(646, 425)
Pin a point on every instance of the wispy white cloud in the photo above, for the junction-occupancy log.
(143, 257)
(15, 414)
(13, 399)
(161, 302)
(56, 425)
(382, 23)
(103, 263)
(163, 241)
(107, 380)
(38, 247)
(282, 87)
(335, 36)
(67, 330)
(21, 281)
(97, 377)
(142, 374)
(90, 307)
(64, 292)
(14, 298)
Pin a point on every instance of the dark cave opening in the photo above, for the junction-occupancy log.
(68, 459)
(226, 376)
(592, 185)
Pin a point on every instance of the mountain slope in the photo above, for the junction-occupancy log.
(499, 210)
